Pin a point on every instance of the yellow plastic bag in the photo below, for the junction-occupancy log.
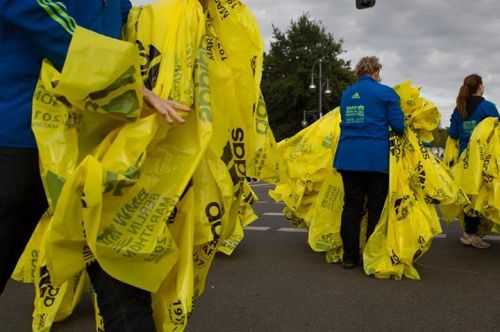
(477, 172)
(242, 139)
(306, 160)
(238, 46)
(265, 165)
(173, 303)
(421, 114)
(113, 171)
(451, 152)
(52, 303)
(30, 259)
(408, 224)
(136, 175)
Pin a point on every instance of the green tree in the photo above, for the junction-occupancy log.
(287, 74)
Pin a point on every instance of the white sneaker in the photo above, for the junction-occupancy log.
(474, 240)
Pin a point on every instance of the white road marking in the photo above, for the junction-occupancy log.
(257, 228)
(492, 238)
(273, 214)
(292, 230)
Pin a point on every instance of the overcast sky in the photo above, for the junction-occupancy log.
(434, 43)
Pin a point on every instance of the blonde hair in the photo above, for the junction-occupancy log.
(368, 65)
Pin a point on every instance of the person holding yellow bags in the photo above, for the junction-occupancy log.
(31, 31)
(368, 109)
(471, 109)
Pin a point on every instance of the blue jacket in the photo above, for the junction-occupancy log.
(31, 30)
(462, 129)
(367, 108)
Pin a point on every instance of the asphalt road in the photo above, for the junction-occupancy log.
(275, 283)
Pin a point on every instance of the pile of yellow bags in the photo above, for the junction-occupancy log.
(312, 190)
(150, 202)
(476, 170)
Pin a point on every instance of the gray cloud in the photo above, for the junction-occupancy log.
(434, 43)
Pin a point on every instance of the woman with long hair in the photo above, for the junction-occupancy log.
(471, 109)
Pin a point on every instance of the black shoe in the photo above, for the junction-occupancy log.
(349, 264)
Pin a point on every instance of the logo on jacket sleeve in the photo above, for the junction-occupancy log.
(469, 126)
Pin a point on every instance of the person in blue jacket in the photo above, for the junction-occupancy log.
(368, 109)
(31, 30)
(471, 109)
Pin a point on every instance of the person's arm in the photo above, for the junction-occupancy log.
(125, 6)
(492, 111)
(395, 115)
(45, 22)
(453, 131)
(50, 28)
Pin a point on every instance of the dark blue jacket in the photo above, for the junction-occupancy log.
(368, 109)
(31, 30)
(462, 129)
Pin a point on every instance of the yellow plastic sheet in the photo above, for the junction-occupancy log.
(451, 152)
(130, 184)
(52, 303)
(410, 221)
(314, 191)
(476, 170)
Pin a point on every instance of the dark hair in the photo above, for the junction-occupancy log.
(471, 86)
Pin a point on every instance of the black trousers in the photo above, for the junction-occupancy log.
(22, 204)
(472, 224)
(360, 187)
(124, 308)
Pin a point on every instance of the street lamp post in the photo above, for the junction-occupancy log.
(304, 120)
(312, 86)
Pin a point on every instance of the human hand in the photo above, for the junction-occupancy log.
(167, 108)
